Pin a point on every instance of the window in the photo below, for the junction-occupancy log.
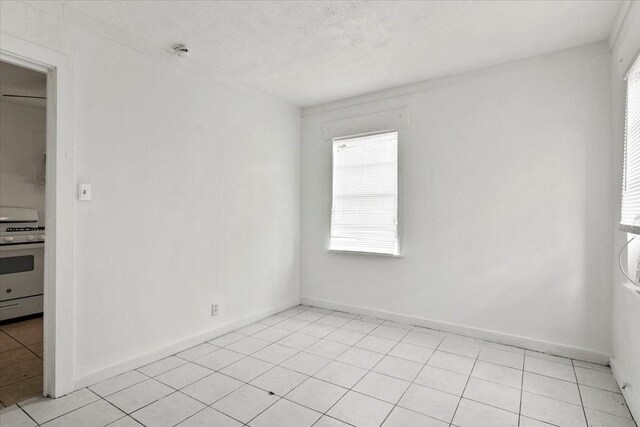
(630, 215)
(364, 214)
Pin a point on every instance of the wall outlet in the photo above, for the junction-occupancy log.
(214, 309)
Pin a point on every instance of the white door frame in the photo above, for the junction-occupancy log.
(60, 200)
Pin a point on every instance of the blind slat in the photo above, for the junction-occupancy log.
(630, 210)
(364, 215)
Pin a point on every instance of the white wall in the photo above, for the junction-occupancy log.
(626, 302)
(195, 196)
(17, 146)
(504, 181)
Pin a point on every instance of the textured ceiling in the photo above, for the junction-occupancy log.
(16, 80)
(312, 52)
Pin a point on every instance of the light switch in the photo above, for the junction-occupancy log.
(84, 192)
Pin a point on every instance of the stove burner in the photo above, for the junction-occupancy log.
(15, 229)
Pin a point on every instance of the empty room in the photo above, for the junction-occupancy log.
(320, 213)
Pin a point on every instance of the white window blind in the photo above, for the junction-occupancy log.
(630, 215)
(364, 216)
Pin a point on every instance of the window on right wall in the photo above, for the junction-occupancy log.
(630, 211)
(364, 213)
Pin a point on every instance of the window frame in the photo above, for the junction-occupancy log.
(632, 229)
(400, 253)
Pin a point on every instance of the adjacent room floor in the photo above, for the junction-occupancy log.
(20, 361)
(309, 366)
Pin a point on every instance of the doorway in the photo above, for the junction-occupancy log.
(23, 154)
(57, 322)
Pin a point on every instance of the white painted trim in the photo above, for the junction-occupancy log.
(379, 122)
(177, 347)
(618, 23)
(498, 337)
(59, 221)
(443, 81)
(631, 395)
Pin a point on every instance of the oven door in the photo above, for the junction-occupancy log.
(21, 271)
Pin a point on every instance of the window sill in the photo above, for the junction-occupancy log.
(339, 251)
(632, 229)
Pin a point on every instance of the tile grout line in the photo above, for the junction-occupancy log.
(174, 390)
(372, 370)
(469, 378)
(358, 381)
(320, 338)
(352, 346)
(213, 371)
(524, 360)
(413, 382)
(465, 388)
(218, 371)
(375, 324)
(332, 360)
(267, 326)
(66, 413)
(102, 398)
(298, 352)
(584, 412)
(347, 390)
(22, 409)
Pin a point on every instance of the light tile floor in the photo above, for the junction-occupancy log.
(314, 367)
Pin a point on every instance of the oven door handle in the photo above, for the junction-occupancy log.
(10, 305)
(21, 247)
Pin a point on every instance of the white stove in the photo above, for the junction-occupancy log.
(20, 235)
(21, 262)
(19, 225)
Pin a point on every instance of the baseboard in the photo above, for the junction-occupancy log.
(498, 337)
(631, 396)
(144, 359)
